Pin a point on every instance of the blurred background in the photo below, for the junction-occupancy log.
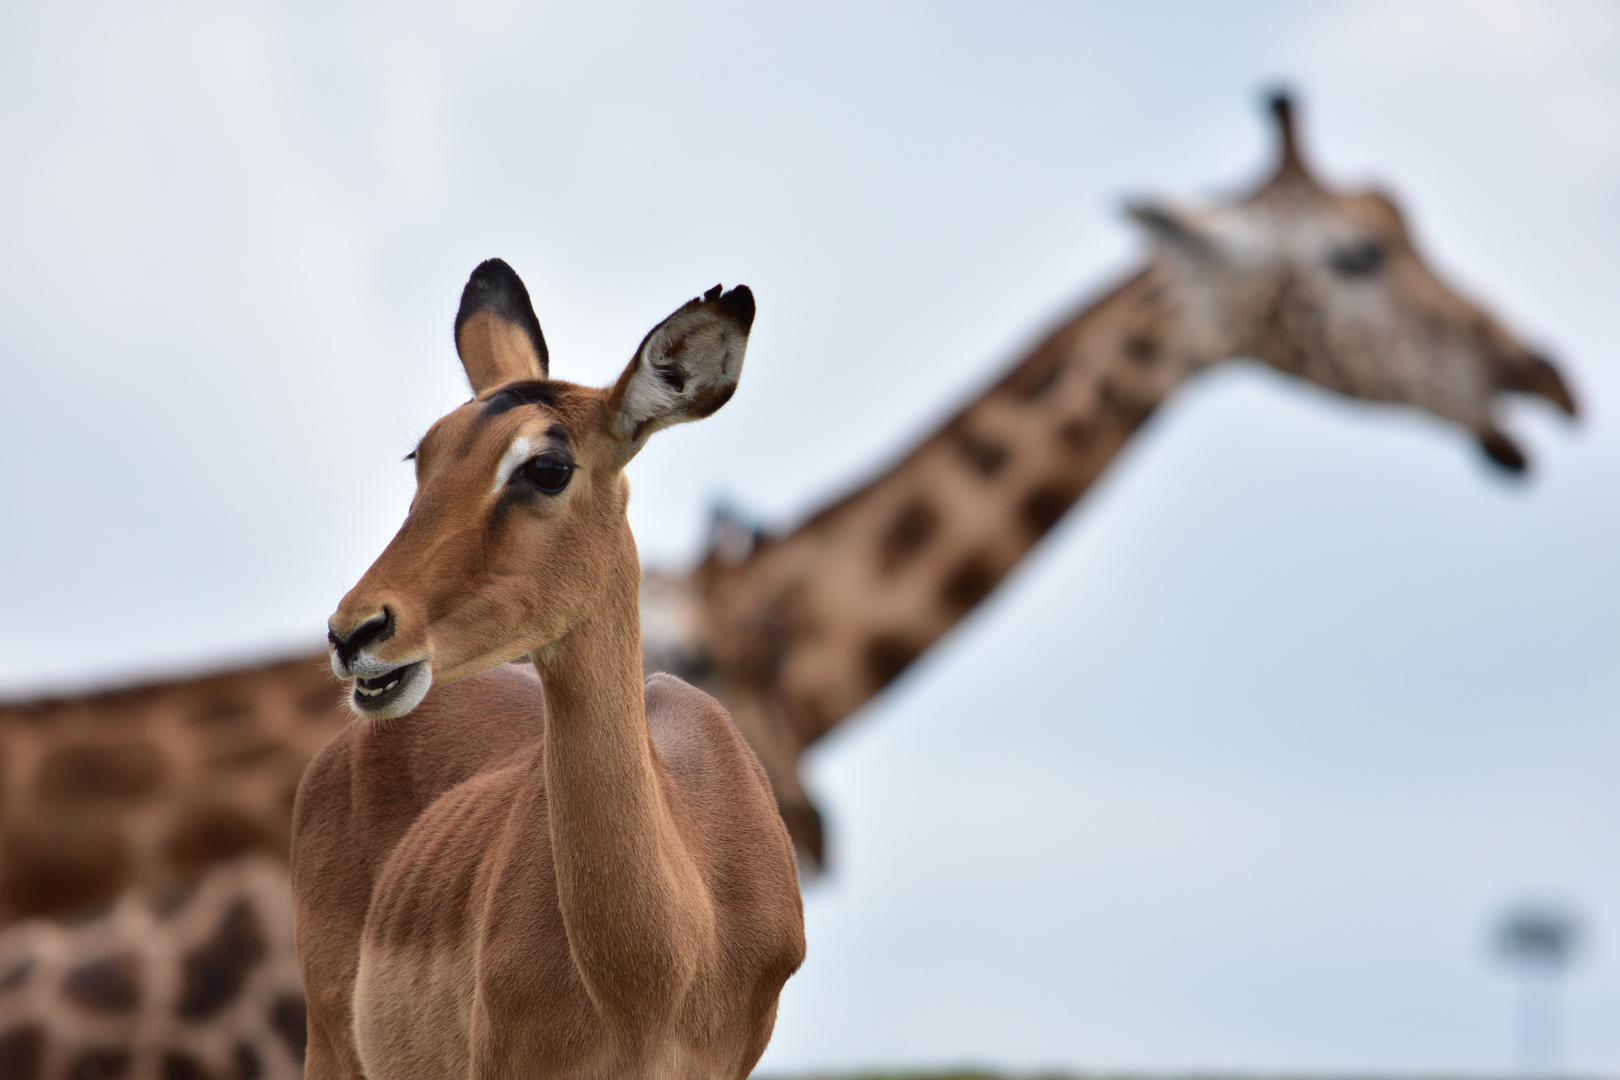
(1239, 771)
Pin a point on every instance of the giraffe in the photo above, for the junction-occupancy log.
(781, 627)
(153, 785)
(165, 986)
(796, 632)
(576, 872)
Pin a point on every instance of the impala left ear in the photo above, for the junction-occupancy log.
(686, 368)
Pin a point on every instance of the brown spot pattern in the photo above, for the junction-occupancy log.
(969, 583)
(111, 984)
(112, 770)
(58, 871)
(179, 1065)
(16, 976)
(908, 534)
(1042, 507)
(887, 655)
(1035, 376)
(20, 1051)
(289, 1022)
(1141, 349)
(99, 1063)
(246, 1060)
(1076, 434)
(249, 754)
(212, 974)
(212, 834)
(321, 702)
(986, 456)
(222, 711)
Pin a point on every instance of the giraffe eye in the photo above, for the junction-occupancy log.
(549, 473)
(1359, 258)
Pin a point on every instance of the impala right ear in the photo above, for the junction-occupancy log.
(686, 368)
(497, 336)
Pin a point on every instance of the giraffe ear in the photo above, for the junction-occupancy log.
(1172, 226)
(685, 369)
(497, 336)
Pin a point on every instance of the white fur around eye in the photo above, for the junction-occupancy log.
(516, 454)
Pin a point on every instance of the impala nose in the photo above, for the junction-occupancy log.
(379, 627)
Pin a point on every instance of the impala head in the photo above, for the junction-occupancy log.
(518, 527)
(1330, 286)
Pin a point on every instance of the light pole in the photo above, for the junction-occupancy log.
(1538, 940)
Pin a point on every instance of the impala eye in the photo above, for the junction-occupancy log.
(549, 474)
(1359, 258)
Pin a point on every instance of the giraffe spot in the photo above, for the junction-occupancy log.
(17, 975)
(969, 583)
(887, 655)
(246, 1060)
(986, 456)
(113, 770)
(819, 716)
(1127, 407)
(212, 974)
(99, 1063)
(1043, 506)
(20, 1051)
(288, 1021)
(250, 754)
(179, 1065)
(1035, 376)
(222, 711)
(111, 984)
(321, 702)
(908, 534)
(59, 871)
(166, 900)
(1141, 349)
(211, 834)
(1076, 434)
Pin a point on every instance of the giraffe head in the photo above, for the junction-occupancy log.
(1329, 285)
(517, 530)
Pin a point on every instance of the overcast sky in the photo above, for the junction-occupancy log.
(1239, 767)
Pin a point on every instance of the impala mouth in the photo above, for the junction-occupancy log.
(393, 693)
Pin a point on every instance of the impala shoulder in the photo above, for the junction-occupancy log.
(690, 727)
(325, 777)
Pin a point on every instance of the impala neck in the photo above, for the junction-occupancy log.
(825, 617)
(621, 869)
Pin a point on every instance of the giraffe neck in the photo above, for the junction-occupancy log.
(825, 617)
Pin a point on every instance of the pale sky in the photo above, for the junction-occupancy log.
(1238, 769)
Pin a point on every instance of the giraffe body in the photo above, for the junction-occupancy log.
(180, 986)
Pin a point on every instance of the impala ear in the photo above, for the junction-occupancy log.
(686, 368)
(497, 336)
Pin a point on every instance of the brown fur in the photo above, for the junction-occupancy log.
(569, 875)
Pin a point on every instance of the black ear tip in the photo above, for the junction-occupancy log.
(492, 270)
(738, 303)
(495, 286)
